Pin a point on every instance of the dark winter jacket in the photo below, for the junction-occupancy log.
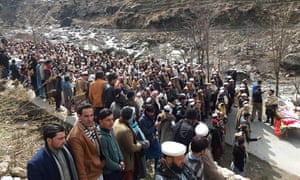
(184, 132)
(43, 166)
(239, 157)
(257, 96)
(109, 95)
(163, 172)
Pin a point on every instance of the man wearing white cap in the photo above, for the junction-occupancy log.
(172, 163)
(210, 169)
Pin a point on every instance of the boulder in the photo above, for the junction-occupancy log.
(18, 172)
(291, 62)
(7, 178)
(5, 158)
(3, 168)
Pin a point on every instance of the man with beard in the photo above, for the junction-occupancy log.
(172, 163)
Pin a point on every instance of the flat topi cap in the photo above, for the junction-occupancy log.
(173, 149)
(201, 129)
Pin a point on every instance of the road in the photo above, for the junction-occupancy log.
(282, 152)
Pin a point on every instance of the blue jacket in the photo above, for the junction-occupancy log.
(148, 127)
(43, 166)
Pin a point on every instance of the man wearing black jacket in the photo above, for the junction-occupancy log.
(257, 103)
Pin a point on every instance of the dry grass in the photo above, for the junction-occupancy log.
(20, 123)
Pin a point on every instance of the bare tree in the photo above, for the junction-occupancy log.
(279, 40)
(193, 30)
(196, 30)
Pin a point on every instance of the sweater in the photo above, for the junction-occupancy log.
(111, 151)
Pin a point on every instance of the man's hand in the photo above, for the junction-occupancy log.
(122, 166)
(259, 138)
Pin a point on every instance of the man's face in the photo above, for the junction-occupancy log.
(87, 117)
(107, 122)
(178, 161)
(57, 142)
(198, 104)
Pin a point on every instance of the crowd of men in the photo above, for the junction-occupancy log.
(130, 112)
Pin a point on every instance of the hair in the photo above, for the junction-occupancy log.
(130, 94)
(247, 114)
(104, 113)
(82, 107)
(99, 75)
(112, 76)
(50, 130)
(181, 97)
(148, 108)
(171, 98)
(126, 112)
(198, 144)
(191, 113)
(240, 140)
(259, 81)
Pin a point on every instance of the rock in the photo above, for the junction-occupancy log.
(66, 22)
(18, 172)
(5, 158)
(227, 173)
(112, 9)
(3, 168)
(291, 62)
(7, 178)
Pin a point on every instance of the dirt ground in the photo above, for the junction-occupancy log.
(258, 169)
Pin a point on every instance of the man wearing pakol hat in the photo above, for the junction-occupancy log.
(172, 163)
(211, 171)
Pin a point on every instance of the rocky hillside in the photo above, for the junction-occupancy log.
(151, 14)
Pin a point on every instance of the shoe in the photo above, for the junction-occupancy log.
(266, 122)
(259, 120)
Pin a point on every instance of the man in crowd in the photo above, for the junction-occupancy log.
(54, 160)
(194, 158)
(271, 106)
(86, 146)
(184, 129)
(257, 103)
(172, 163)
(96, 90)
(211, 171)
(4, 63)
(128, 143)
(109, 94)
(114, 159)
(81, 88)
